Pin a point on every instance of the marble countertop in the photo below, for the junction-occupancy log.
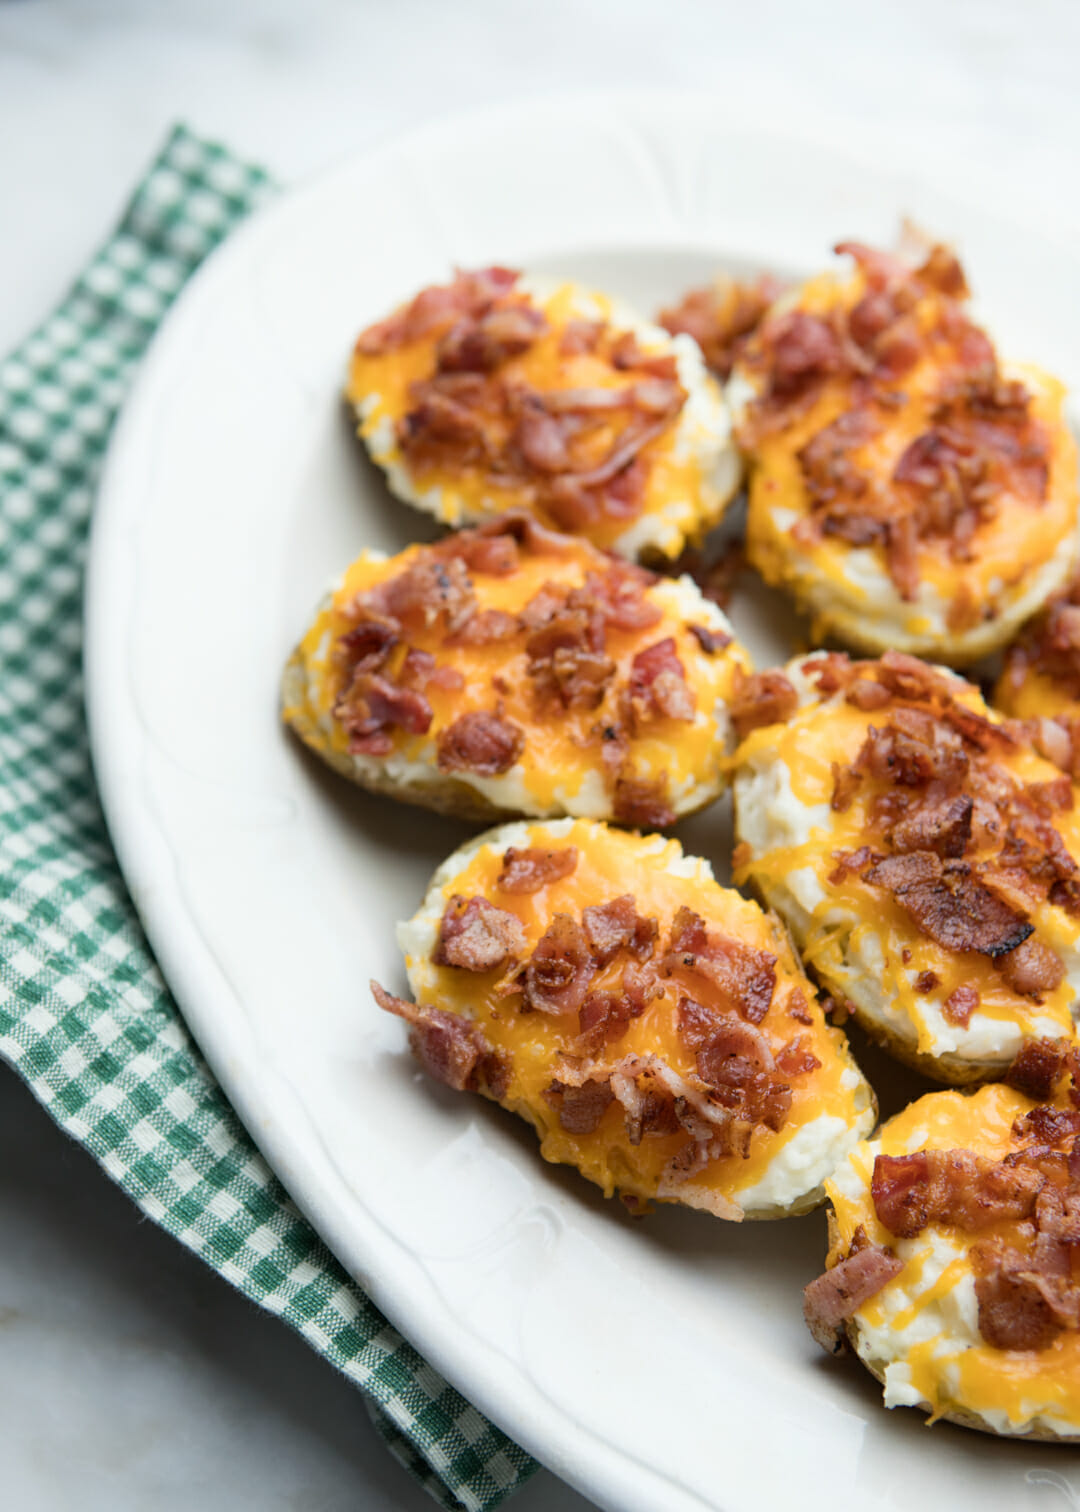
(130, 1376)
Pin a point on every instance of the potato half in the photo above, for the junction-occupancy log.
(500, 392)
(950, 1260)
(923, 855)
(654, 1027)
(908, 488)
(508, 670)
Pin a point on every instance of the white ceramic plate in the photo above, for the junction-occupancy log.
(659, 1366)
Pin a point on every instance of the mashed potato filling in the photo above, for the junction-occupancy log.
(920, 1334)
(909, 491)
(774, 1170)
(861, 940)
(576, 750)
(667, 495)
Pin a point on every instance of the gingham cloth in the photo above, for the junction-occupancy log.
(85, 1017)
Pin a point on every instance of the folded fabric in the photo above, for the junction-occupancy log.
(85, 1017)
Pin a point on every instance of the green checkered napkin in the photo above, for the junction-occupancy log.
(85, 1017)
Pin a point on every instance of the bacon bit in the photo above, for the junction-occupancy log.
(436, 307)
(950, 1186)
(721, 316)
(658, 688)
(642, 802)
(611, 927)
(1032, 969)
(580, 1108)
(485, 628)
(925, 982)
(1037, 1067)
(1018, 1307)
(448, 1047)
(764, 698)
(838, 1294)
(950, 904)
(428, 592)
(527, 871)
(579, 337)
(480, 742)
(1050, 644)
(795, 1060)
(744, 977)
(804, 352)
(479, 344)
(558, 975)
(866, 694)
(798, 1008)
(960, 1005)
(605, 1017)
(1052, 797)
(940, 823)
(476, 936)
(710, 641)
(371, 706)
(491, 553)
(848, 862)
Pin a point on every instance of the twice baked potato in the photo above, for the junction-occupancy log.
(498, 392)
(509, 670)
(954, 1242)
(921, 851)
(654, 1027)
(909, 489)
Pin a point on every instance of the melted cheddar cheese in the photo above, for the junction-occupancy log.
(832, 1106)
(920, 1333)
(856, 938)
(692, 468)
(963, 609)
(561, 768)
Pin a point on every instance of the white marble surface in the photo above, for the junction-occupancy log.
(130, 1376)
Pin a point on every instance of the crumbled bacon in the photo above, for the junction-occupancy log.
(527, 871)
(429, 592)
(1020, 1305)
(605, 1017)
(960, 1004)
(611, 927)
(721, 316)
(838, 1294)
(436, 308)
(761, 699)
(476, 936)
(479, 344)
(642, 802)
(743, 976)
(941, 822)
(580, 1108)
(1036, 1068)
(950, 1186)
(710, 640)
(950, 904)
(793, 1059)
(560, 969)
(448, 1047)
(658, 687)
(480, 742)
(1032, 969)
(1050, 644)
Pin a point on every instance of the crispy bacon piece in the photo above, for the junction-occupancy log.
(950, 1186)
(795, 1060)
(1032, 969)
(448, 1047)
(611, 927)
(709, 640)
(1050, 644)
(479, 344)
(803, 351)
(477, 936)
(658, 687)
(940, 822)
(761, 699)
(1022, 1304)
(838, 1294)
(372, 706)
(436, 308)
(606, 1016)
(427, 593)
(744, 976)
(580, 1108)
(960, 1005)
(721, 316)
(950, 904)
(560, 969)
(527, 871)
(1036, 1068)
(480, 742)
(642, 802)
